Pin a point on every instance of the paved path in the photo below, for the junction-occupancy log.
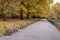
(41, 30)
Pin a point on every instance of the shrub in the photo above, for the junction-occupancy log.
(2, 30)
(10, 28)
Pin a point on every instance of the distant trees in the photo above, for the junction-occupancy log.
(24, 8)
(56, 9)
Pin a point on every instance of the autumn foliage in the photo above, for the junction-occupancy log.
(24, 8)
(56, 9)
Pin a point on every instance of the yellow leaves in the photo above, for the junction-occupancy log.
(2, 29)
(24, 14)
(23, 8)
(56, 9)
(32, 10)
(41, 11)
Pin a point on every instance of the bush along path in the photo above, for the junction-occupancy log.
(40, 30)
(55, 23)
(12, 28)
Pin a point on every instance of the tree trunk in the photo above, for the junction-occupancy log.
(21, 14)
(28, 15)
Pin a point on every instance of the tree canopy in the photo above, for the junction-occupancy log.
(56, 9)
(24, 8)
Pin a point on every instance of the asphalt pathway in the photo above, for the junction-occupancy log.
(41, 30)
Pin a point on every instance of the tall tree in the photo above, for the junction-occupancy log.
(56, 9)
(22, 8)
